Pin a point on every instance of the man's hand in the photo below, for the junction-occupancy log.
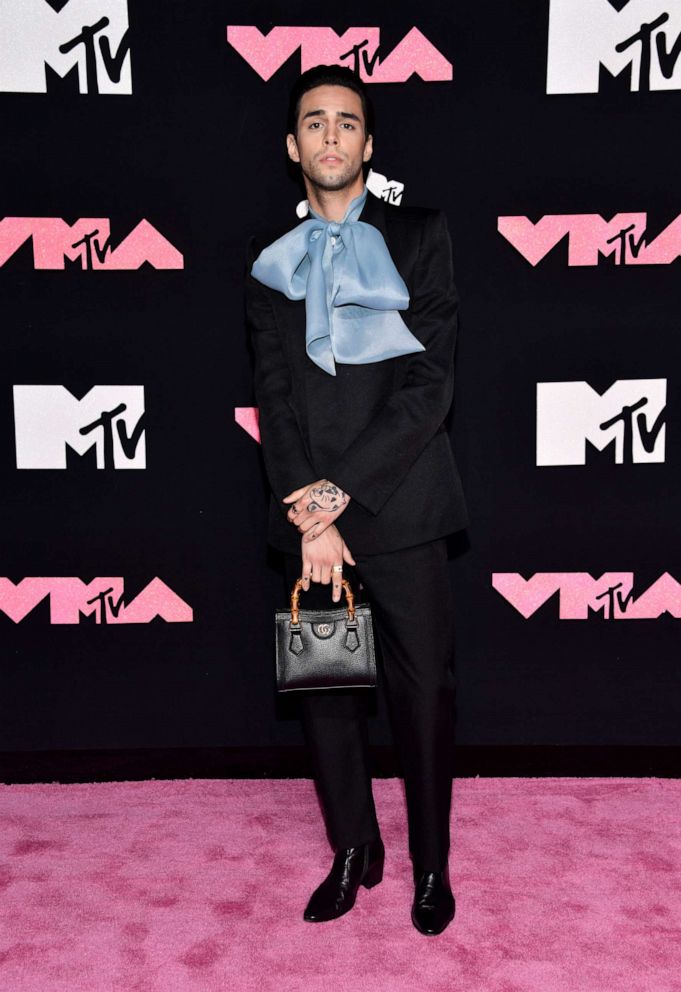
(315, 507)
(320, 557)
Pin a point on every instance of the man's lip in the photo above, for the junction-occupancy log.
(330, 158)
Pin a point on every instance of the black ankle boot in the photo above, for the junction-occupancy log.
(352, 867)
(434, 906)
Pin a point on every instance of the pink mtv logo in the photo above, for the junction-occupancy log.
(71, 597)
(357, 48)
(89, 240)
(591, 238)
(579, 593)
(248, 417)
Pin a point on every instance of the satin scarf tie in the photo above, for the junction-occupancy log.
(351, 287)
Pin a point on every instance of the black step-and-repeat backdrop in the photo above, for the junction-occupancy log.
(142, 145)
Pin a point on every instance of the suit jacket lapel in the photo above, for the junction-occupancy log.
(375, 212)
(401, 250)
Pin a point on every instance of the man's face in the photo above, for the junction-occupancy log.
(331, 145)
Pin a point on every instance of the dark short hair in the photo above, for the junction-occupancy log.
(328, 75)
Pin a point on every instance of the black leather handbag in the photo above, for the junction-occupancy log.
(325, 649)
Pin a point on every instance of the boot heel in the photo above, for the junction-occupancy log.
(374, 875)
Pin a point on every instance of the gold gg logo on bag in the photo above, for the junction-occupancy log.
(323, 629)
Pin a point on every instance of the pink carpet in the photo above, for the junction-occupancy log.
(562, 885)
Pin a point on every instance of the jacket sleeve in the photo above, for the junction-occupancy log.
(373, 466)
(286, 461)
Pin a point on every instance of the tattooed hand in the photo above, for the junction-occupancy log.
(315, 507)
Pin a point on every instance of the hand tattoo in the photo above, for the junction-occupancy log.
(327, 498)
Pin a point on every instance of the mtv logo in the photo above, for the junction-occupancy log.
(631, 413)
(387, 189)
(89, 36)
(641, 36)
(47, 419)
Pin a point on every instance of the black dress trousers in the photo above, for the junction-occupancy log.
(410, 595)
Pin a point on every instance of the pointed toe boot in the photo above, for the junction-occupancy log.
(434, 906)
(352, 867)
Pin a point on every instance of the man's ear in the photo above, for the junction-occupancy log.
(292, 147)
(368, 148)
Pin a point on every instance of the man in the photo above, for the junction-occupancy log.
(353, 318)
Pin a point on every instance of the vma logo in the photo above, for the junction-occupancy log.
(49, 419)
(42, 42)
(580, 596)
(104, 598)
(357, 48)
(638, 40)
(590, 238)
(628, 418)
(87, 241)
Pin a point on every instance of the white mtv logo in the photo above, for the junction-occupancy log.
(48, 418)
(631, 412)
(386, 189)
(89, 34)
(585, 34)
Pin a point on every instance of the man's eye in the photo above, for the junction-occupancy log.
(345, 124)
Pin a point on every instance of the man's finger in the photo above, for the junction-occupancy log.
(336, 578)
(311, 525)
(309, 522)
(307, 572)
(319, 528)
(347, 555)
(297, 516)
(292, 497)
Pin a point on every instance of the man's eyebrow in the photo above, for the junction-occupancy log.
(339, 113)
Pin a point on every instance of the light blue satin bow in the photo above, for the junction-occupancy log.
(352, 290)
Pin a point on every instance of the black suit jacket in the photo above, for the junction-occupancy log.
(374, 430)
